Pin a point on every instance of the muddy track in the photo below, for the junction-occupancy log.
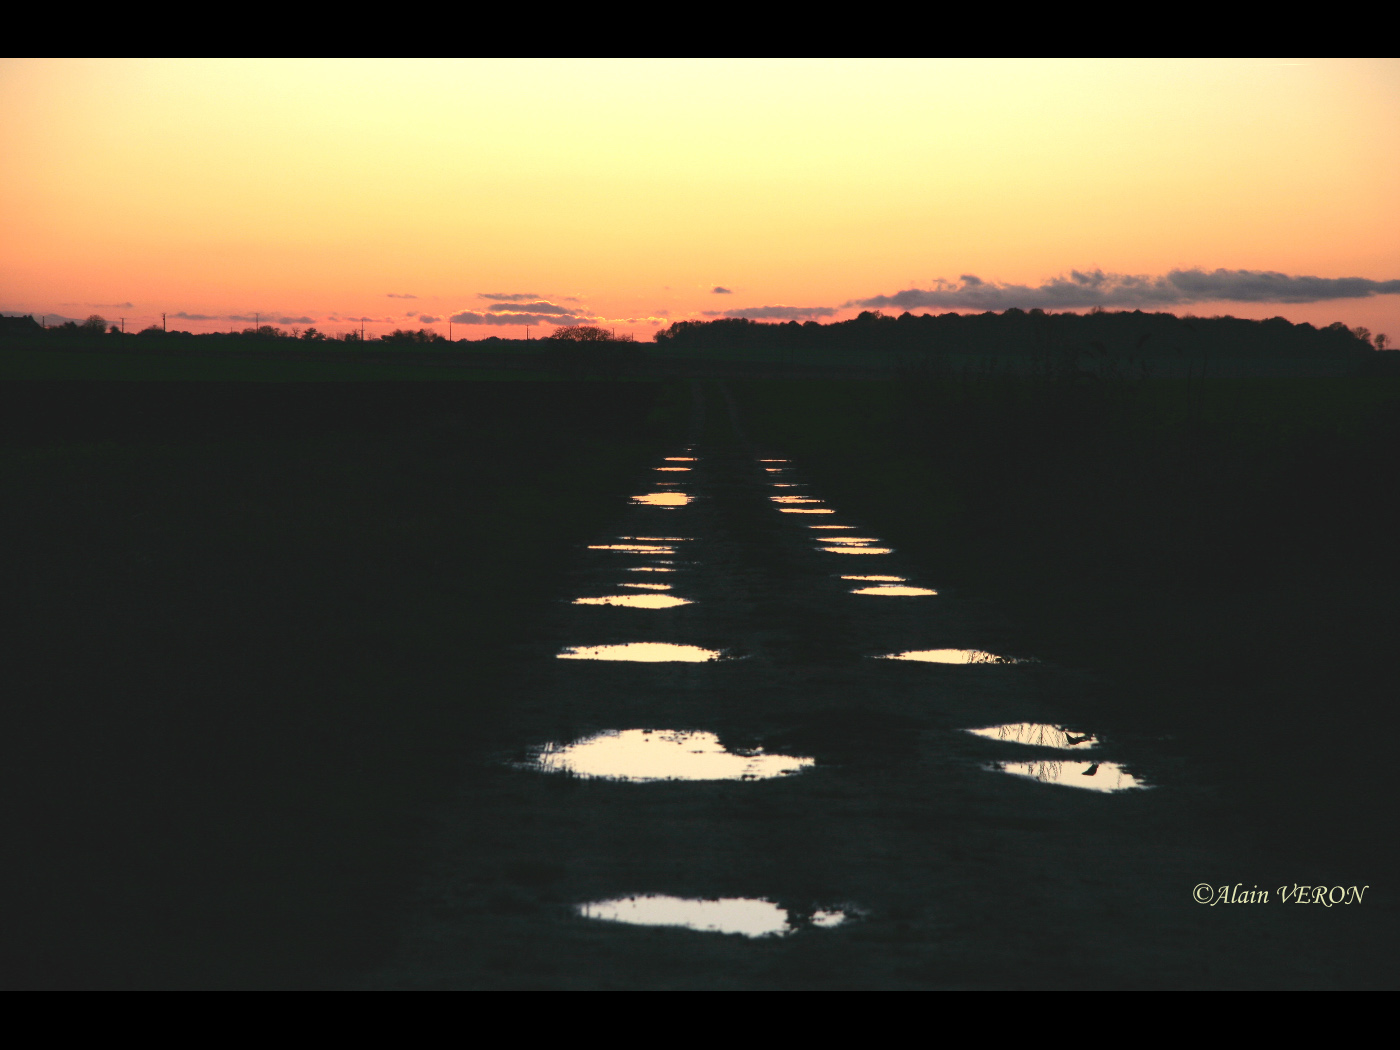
(948, 873)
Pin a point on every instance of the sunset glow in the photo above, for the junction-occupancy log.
(632, 194)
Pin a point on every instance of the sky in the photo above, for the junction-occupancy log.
(630, 194)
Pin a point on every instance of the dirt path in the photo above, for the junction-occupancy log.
(900, 859)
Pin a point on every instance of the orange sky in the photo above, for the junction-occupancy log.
(625, 192)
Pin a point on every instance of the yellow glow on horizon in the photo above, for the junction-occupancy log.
(318, 188)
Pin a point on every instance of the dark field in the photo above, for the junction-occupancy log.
(272, 647)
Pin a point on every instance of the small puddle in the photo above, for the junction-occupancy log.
(642, 652)
(850, 539)
(788, 485)
(894, 590)
(953, 656)
(647, 586)
(662, 499)
(1092, 776)
(632, 548)
(794, 499)
(806, 510)
(649, 568)
(876, 579)
(672, 468)
(681, 459)
(775, 461)
(856, 549)
(831, 527)
(775, 470)
(1038, 734)
(657, 539)
(651, 755)
(636, 601)
(748, 916)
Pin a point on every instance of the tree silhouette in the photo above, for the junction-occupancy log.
(582, 333)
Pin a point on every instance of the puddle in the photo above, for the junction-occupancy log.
(649, 568)
(775, 461)
(876, 579)
(651, 755)
(794, 499)
(672, 468)
(850, 539)
(806, 510)
(954, 656)
(894, 590)
(657, 539)
(643, 652)
(748, 916)
(636, 601)
(1038, 734)
(856, 549)
(681, 459)
(1092, 776)
(662, 499)
(634, 548)
(830, 526)
(775, 470)
(788, 485)
(647, 586)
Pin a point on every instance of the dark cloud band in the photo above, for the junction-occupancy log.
(775, 313)
(1096, 288)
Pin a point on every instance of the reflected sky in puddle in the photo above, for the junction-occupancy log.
(830, 526)
(651, 755)
(1091, 776)
(657, 539)
(894, 590)
(850, 539)
(1038, 734)
(647, 586)
(794, 499)
(806, 510)
(662, 499)
(876, 579)
(774, 461)
(681, 459)
(642, 652)
(953, 656)
(856, 549)
(649, 568)
(672, 468)
(775, 470)
(634, 548)
(749, 916)
(636, 601)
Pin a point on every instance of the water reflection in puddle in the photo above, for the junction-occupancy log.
(775, 470)
(749, 916)
(806, 510)
(651, 755)
(894, 590)
(636, 601)
(794, 499)
(662, 499)
(649, 568)
(634, 548)
(657, 539)
(954, 656)
(1092, 776)
(647, 586)
(856, 549)
(642, 652)
(1038, 734)
(681, 459)
(672, 468)
(876, 579)
(850, 539)
(774, 461)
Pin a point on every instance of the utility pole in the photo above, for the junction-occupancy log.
(162, 320)
(449, 330)
(123, 326)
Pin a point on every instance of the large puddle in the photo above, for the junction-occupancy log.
(794, 499)
(635, 601)
(649, 568)
(1091, 776)
(953, 656)
(748, 916)
(1038, 734)
(876, 579)
(662, 499)
(856, 548)
(681, 459)
(657, 754)
(672, 468)
(806, 510)
(633, 548)
(642, 652)
(862, 540)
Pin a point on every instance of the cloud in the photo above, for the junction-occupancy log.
(719, 289)
(296, 320)
(1096, 288)
(428, 319)
(508, 297)
(197, 317)
(471, 317)
(779, 313)
(398, 295)
(541, 307)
